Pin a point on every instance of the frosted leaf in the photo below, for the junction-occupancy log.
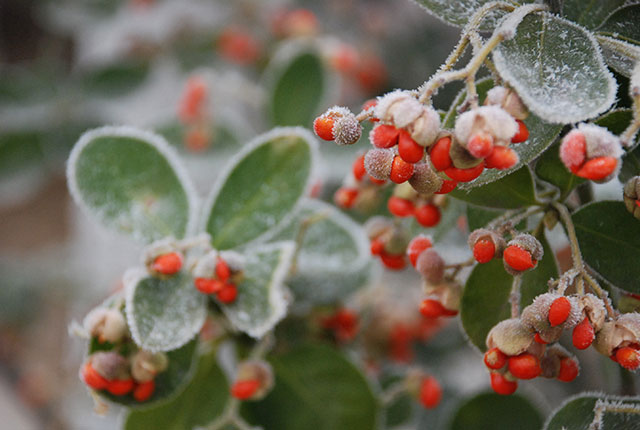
(580, 411)
(619, 55)
(262, 296)
(557, 69)
(163, 314)
(589, 13)
(623, 24)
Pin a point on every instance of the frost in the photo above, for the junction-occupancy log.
(619, 55)
(557, 69)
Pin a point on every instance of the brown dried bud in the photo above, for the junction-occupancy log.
(108, 325)
(623, 331)
(431, 266)
(594, 309)
(460, 157)
(377, 163)
(483, 233)
(632, 196)
(346, 129)
(552, 358)
(450, 296)
(110, 365)
(510, 336)
(146, 365)
(425, 180)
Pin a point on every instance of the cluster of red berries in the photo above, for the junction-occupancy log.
(194, 114)
(254, 379)
(359, 190)
(406, 202)
(343, 323)
(388, 242)
(520, 254)
(591, 152)
(219, 281)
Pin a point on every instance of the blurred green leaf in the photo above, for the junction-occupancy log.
(458, 12)
(589, 13)
(496, 412)
(623, 23)
(510, 192)
(116, 79)
(550, 168)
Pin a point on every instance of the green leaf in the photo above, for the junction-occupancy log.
(485, 299)
(621, 56)
(510, 192)
(20, 151)
(167, 383)
(550, 168)
(261, 302)
(316, 388)
(541, 135)
(630, 165)
(163, 314)
(515, 412)
(589, 13)
(333, 260)
(577, 413)
(608, 237)
(131, 181)
(556, 68)
(458, 12)
(478, 217)
(297, 83)
(623, 24)
(200, 403)
(116, 79)
(260, 188)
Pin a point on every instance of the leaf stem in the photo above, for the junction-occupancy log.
(514, 297)
(392, 393)
(628, 136)
(578, 264)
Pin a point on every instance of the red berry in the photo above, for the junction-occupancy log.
(597, 168)
(243, 390)
(193, 99)
(358, 168)
(393, 262)
(222, 270)
(522, 134)
(208, 285)
(568, 370)
(502, 385)
(464, 175)
(377, 247)
(428, 215)
(408, 149)
(92, 378)
(430, 392)
(439, 154)
(120, 387)
(345, 323)
(559, 311)
(628, 357)
(484, 250)
(416, 246)
(525, 366)
(345, 197)
(168, 264)
(228, 293)
(501, 158)
(430, 308)
(401, 171)
(480, 145)
(384, 136)
(495, 359)
(144, 391)
(447, 187)
(368, 105)
(196, 140)
(377, 181)
(238, 46)
(400, 207)
(323, 127)
(539, 339)
(573, 150)
(583, 334)
(518, 258)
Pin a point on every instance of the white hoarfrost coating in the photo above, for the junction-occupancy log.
(492, 120)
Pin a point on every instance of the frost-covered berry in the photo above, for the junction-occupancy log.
(522, 253)
(501, 158)
(522, 134)
(439, 154)
(107, 325)
(591, 152)
(338, 124)
(510, 336)
(401, 171)
(559, 311)
(583, 334)
(384, 136)
(416, 246)
(486, 121)
(628, 357)
(430, 265)
(424, 180)
(253, 381)
(378, 163)
(508, 100)
(408, 149)
(485, 245)
(167, 264)
(464, 175)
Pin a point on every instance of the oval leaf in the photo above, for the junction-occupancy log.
(261, 302)
(516, 412)
(333, 260)
(589, 13)
(556, 68)
(316, 387)
(608, 237)
(623, 24)
(163, 314)
(541, 135)
(511, 192)
(298, 83)
(550, 168)
(200, 403)
(485, 299)
(619, 55)
(577, 413)
(261, 186)
(131, 181)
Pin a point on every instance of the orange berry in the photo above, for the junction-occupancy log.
(120, 387)
(368, 105)
(168, 264)
(583, 334)
(428, 215)
(144, 391)
(238, 46)
(447, 187)
(559, 311)
(501, 158)
(323, 127)
(92, 378)
(222, 270)
(573, 150)
(430, 308)
(377, 247)
(401, 171)
(384, 136)
(518, 258)
(377, 181)
(480, 145)
(464, 175)
(408, 149)
(416, 246)
(539, 339)
(628, 357)
(430, 392)
(393, 262)
(568, 370)
(439, 154)
(345, 197)
(345, 59)
(484, 250)
(196, 140)
(502, 385)
(193, 99)
(522, 134)
(495, 359)
(243, 390)
(228, 293)
(208, 285)
(400, 207)
(525, 366)
(358, 168)
(597, 168)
